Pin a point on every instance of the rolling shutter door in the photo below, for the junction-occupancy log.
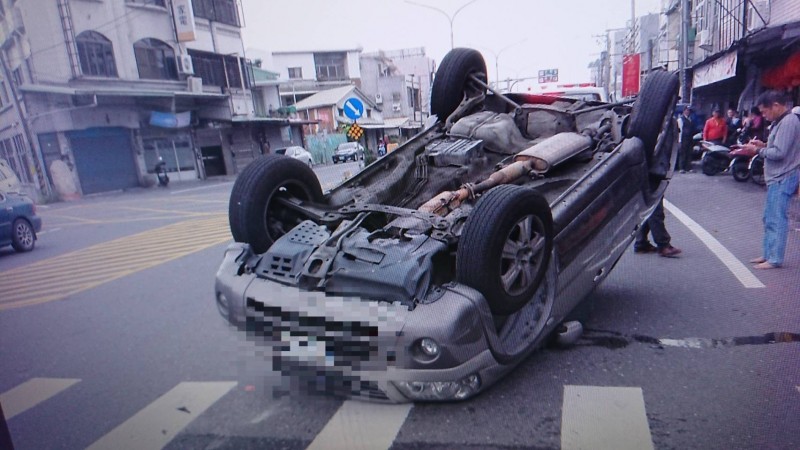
(104, 159)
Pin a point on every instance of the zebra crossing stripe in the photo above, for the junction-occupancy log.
(595, 417)
(159, 422)
(359, 425)
(31, 393)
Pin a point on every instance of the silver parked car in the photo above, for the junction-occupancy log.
(298, 153)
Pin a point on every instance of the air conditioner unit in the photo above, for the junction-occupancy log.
(396, 107)
(704, 39)
(194, 84)
(378, 99)
(185, 66)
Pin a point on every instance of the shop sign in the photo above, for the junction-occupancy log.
(184, 20)
(630, 75)
(721, 69)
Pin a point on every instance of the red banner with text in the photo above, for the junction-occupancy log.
(630, 75)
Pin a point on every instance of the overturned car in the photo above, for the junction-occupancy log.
(438, 268)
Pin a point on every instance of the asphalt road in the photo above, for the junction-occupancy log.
(109, 337)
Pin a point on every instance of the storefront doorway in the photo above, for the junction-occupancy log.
(213, 161)
(175, 151)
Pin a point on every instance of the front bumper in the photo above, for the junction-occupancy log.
(363, 348)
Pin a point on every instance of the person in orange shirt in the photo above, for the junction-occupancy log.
(715, 129)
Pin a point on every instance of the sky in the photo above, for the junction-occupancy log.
(528, 35)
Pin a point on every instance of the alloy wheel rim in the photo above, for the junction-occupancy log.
(521, 255)
(24, 235)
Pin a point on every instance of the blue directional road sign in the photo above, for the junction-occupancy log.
(353, 108)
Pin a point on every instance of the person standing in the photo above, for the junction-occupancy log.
(781, 155)
(655, 225)
(754, 125)
(685, 140)
(733, 122)
(715, 129)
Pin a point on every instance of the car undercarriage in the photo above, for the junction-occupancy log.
(439, 267)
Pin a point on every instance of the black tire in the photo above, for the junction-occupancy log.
(740, 171)
(23, 238)
(497, 224)
(757, 171)
(452, 82)
(254, 215)
(652, 111)
(713, 163)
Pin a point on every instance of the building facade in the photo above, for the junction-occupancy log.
(96, 93)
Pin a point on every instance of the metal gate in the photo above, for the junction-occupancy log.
(104, 159)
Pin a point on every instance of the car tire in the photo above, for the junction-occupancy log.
(452, 82)
(23, 238)
(254, 215)
(507, 217)
(740, 171)
(652, 111)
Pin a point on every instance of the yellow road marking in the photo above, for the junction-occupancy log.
(171, 211)
(64, 275)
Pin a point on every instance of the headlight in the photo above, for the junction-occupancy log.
(440, 390)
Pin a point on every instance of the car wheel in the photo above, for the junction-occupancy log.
(452, 82)
(740, 171)
(23, 238)
(652, 113)
(505, 247)
(254, 212)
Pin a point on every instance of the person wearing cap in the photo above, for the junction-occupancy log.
(715, 129)
(685, 134)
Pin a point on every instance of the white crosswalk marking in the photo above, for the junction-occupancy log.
(360, 425)
(595, 417)
(158, 423)
(31, 393)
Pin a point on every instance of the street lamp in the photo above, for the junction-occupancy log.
(497, 58)
(449, 17)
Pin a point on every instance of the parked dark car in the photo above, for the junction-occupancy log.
(348, 151)
(18, 222)
(441, 266)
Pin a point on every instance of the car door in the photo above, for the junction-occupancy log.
(5, 219)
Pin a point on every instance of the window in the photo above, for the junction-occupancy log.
(219, 70)
(295, 73)
(16, 74)
(176, 153)
(4, 92)
(223, 11)
(155, 60)
(330, 66)
(96, 55)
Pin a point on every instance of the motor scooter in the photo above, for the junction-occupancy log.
(161, 174)
(716, 158)
(756, 167)
(740, 162)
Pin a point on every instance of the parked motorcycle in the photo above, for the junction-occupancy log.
(716, 158)
(756, 167)
(740, 163)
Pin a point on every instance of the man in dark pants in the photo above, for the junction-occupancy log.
(685, 140)
(655, 226)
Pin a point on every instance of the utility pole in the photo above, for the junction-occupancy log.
(444, 13)
(683, 61)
